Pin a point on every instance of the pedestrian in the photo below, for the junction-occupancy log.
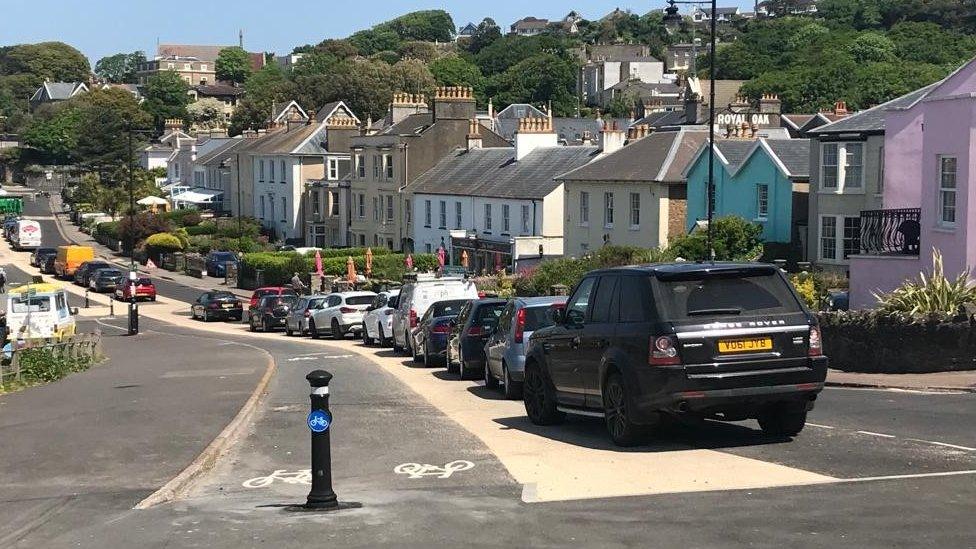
(297, 284)
(3, 280)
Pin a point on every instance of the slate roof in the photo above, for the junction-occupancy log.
(411, 125)
(873, 120)
(661, 156)
(493, 172)
(530, 23)
(569, 130)
(306, 140)
(663, 119)
(203, 53)
(221, 152)
(734, 150)
(794, 154)
(57, 91)
(519, 110)
(797, 121)
(219, 90)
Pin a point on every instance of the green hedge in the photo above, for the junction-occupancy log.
(279, 267)
(108, 229)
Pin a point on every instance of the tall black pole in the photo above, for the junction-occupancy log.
(133, 309)
(711, 134)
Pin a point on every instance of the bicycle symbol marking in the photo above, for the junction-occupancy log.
(418, 470)
(302, 476)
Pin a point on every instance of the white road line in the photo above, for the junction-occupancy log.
(947, 445)
(882, 435)
(821, 426)
(916, 475)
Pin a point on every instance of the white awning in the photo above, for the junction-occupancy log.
(152, 201)
(197, 196)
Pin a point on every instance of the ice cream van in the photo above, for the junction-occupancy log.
(39, 311)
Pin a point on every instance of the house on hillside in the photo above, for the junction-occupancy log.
(765, 181)
(227, 94)
(722, 15)
(927, 183)
(466, 32)
(53, 92)
(499, 205)
(530, 26)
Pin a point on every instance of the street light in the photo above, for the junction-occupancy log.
(671, 21)
(133, 271)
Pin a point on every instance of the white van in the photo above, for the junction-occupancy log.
(417, 296)
(39, 311)
(26, 235)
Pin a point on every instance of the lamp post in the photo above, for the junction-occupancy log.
(133, 271)
(671, 20)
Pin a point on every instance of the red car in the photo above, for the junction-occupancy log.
(261, 292)
(143, 287)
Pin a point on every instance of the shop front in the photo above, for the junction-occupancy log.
(479, 254)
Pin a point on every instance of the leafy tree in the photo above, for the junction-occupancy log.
(120, 68)
(388, 57)
(314, 62)
(855, 14)
(540, 78)
(734, 239)
(488, 31)
(871, 47)
(55, 61)
(55, 136)
(106, 117)
(369, 42)
(366, 86)
(429, 26)
(340, 49)
(233, 65)
(806, 35)
(422, 51)
(928, 43)
(166, 97)
(264, 87)
(457, 71)
(206, 113)
(413, 76)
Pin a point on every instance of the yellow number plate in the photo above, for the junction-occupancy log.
(745, 345)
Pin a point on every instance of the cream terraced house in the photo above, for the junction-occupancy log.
(634, 195)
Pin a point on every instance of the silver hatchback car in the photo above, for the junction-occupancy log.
(505, 348)
(297, 319)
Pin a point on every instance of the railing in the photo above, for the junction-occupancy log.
(891, 232)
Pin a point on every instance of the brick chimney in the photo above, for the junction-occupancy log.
(638, 132)
(770, 104)
(693, 109)
(739, 104)
(840, 108)
(612, 139)
(454, 103)
(474, 134)
(534, 132)
(173, 124)
(405, 104)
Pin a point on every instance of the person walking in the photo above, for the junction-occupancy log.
(297, 284)
(3, 280)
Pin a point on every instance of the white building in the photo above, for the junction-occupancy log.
(599, 76)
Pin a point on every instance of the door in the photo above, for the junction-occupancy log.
(562, 345)
(596, 337)
(495, 348)
(201, 303)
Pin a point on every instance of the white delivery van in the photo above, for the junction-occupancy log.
(417, 296)
(27, 235)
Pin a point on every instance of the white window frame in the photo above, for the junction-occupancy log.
(526, 214)
(487, 219)
(584, 220)
(427, 213)
(316, 202)
(842, 166)
(333, 173)
(260, 171)
(360, 166)
(635, 211)
(945, 191)
(361, 207)
(389, 208)
(458, 215)
(442, 214)
(271, 174)
(762, 201)
(506, 219)
(840, 238)
(334, 206)
(608, 210)
(284, 172)
(388, 166)
(376, 208)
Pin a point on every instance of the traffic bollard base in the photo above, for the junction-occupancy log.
(338, 506)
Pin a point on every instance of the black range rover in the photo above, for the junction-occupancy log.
(727, 341)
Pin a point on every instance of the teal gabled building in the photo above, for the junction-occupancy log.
(765, 181)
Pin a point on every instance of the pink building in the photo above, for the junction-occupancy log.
(929, 169)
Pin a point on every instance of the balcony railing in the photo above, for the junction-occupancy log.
(890, 232)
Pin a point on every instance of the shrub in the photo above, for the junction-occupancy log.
(164, 242)
(142, 226)
(734, 238)
(201, 244)
(43, 365)
(805, 286)
(205, 228)
(191, 219)
(931, 296)
(108, 229)
(277, 268)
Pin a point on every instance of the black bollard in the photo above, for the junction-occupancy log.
(133, 318)
(321, 496)
(111, 306)
(87, 303)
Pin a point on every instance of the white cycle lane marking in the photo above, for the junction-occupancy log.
(417, 470)
(301, 476)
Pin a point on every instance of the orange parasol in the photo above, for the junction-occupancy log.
(369, 262)
(464, 258)
(351, 270)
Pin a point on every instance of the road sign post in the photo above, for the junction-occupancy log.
(321, 496)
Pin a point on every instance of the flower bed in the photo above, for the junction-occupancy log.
(869, 342)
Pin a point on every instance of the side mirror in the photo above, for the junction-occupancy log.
(556, 314)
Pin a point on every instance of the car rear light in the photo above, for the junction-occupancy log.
(440, 329)
(347, 310)
(476, 331)
(663, 352)
(520, 326)
(413, 318)
(816, 342)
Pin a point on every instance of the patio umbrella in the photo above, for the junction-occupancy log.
(464, 258)
(318, 262)
(369, 262)
(441, 257)
(409, 261)
(351, 270)
(498, 261)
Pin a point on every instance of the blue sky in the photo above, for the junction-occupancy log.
(104, 27)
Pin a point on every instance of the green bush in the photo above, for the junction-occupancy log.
(206, 228)
(734, 238)
(43, 365)
(191, 219)
(277, 268)
(164, 242)
(108, 229)
(931, 296)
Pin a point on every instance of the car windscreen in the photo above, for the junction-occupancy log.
(487, 315)
(537, 318)
(360, 300)
(448, 308)
(109, 273)
(144, 282)
(36, 304)
(724, 296)
(284, 300)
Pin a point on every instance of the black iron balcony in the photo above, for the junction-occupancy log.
(890, 232)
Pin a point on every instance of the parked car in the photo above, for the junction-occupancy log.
(216, 263)
(378, 320)
(416, 297)
(270, 312)
(38, 256)
(217, 305)
(105, 280)
(270, 290)
(143, 288)
(432, 333)
(505, 349)
(728, 341)
(47, 267)
(342, 313)
(469, 333)
(297, 320)
(85, 270)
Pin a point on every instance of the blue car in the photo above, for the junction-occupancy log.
(217, 263)
(431, 334)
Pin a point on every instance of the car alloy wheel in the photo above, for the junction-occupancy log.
(513, 389)
(491, 382)
(312, 329)
(539, 398)
(623, 431)
(336, 330)
(267, 325)
(379, 335)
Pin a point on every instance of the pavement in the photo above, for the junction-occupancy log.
(438, 462)
(937, 381)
